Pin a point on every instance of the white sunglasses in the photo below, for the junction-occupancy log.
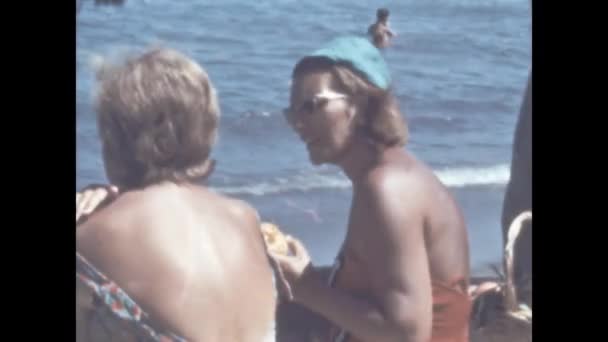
(313, 104)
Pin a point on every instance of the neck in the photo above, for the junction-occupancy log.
(162, 183)
(360, 158)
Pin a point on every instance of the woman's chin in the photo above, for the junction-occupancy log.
(315, 160)
(315, 157)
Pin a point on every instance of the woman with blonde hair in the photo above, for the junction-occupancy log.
(167, 259)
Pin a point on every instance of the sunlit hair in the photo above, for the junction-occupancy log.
(157, 118)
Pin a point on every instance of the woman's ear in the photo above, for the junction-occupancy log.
(358, 110)
(352, 111)
(360, 119)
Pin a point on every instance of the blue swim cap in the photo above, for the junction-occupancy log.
(359, 54)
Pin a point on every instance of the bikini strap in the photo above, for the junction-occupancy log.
(110, 297)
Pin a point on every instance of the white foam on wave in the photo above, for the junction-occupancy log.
(462, 177)
(451, 177)
(299, 182)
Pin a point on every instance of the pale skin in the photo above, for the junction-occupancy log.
(404, 227)
(182, 253)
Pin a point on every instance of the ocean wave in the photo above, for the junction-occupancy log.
(451, 177)
(463, 177)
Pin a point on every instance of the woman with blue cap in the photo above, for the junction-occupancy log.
(402, 272)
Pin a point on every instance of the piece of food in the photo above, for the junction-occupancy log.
(275, 239)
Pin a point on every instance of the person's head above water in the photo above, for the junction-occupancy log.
(100, 3)
(342, 92)
(157, 117)
(382, 14)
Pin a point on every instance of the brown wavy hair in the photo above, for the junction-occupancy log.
(382, 121)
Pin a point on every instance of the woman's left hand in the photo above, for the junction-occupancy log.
(295, 265)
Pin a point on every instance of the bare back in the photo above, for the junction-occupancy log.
(194, 260)
(442, 223)
(445, 231)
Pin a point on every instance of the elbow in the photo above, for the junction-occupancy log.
(411, 331)
(409, 336)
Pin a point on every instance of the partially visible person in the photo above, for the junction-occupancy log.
(380, 32)
(518, 196)
(403, 270)
(166, 259)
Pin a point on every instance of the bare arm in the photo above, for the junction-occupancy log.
(360, 317)
(400, 309)
(399, 269)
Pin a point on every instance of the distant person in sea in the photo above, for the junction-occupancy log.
(403, 270)
(110, 2)
(379, 32)
(165, 258)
